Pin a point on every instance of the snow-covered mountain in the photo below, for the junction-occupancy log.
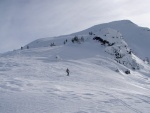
(138, 38)
(107, 72)
(123, 38)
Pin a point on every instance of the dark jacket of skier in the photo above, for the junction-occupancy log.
(67, 70)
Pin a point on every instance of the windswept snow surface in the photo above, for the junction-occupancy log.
(34, 81)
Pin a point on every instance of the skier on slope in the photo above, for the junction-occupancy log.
(67, 70)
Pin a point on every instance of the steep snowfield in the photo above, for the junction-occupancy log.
(34, 80)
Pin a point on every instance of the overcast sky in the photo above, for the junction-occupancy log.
(23, 21)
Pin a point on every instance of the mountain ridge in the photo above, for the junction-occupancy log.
(136, 37)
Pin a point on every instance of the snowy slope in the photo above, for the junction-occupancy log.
(34, 80)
